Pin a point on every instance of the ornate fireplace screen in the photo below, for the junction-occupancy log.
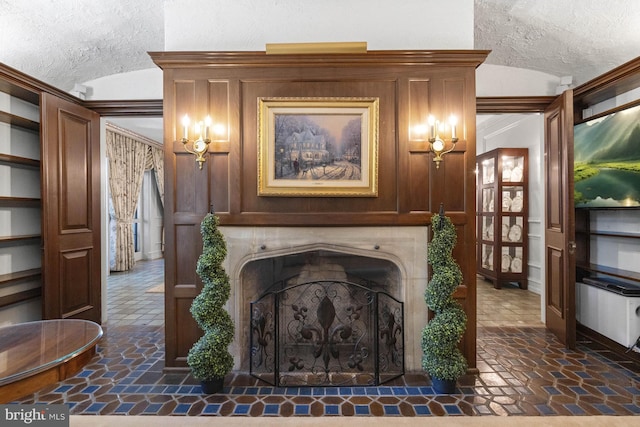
(325, 333)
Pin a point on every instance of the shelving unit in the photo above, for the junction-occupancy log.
(588, 234)
(502, 216)
(49, 204)
(20, 200)
(608, 289)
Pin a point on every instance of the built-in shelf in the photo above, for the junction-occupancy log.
(21, 296)
(19, 161)
(23, 237)
(584, 235)
(18, 276)
(19, 121)
(10, 88)
(611, 234)
(610, 271)
(19, 201)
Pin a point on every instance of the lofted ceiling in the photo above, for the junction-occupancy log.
(578, 38)
(64, 42)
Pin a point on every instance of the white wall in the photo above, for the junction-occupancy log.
(498, 80)
(384, 24)
(523, 131)
(141, 84)
(225, 25)
(491, 80)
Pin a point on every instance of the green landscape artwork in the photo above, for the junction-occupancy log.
(607, 160)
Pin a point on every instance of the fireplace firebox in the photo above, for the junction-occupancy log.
(326, 333)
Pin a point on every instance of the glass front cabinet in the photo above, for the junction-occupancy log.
(502, 213)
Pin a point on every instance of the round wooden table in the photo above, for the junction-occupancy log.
(36, 354)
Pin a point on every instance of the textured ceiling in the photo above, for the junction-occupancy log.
(63, 42)
(579, 38)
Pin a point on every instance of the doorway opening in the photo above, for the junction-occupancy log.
(510, 305)
(136, 297)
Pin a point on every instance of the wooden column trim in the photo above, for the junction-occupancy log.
(119, 108)
(512, 104)
(622, 79)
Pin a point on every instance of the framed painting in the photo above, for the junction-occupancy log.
(325, 147)
(607, 160)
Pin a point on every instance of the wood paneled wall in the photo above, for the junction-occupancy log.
(410, 85)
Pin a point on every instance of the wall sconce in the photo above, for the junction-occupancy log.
(438, 145)
(200, 146)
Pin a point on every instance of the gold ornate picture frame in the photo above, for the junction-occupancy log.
(324, 147)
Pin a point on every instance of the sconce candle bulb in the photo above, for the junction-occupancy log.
(200, 146)
(207, 125)
(436, 143)
(432, 127)
(185, 127)
(453, 121)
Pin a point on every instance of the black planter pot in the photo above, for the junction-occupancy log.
(212, 386)
(443, 386)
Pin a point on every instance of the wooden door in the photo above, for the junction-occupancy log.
(70, 210)
(560, 304)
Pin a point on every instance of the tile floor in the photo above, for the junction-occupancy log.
(128, 299)
(524, 370)
(508, 306)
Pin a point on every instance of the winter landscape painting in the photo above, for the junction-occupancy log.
(317, 147)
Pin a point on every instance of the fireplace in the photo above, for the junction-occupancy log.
(324, 326)
(390, 261)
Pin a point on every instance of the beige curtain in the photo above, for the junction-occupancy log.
(157, 155)
(127, 158)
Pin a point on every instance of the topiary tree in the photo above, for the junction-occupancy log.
(442, 358)
(209, 357)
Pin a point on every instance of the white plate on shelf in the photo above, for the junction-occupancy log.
(516, 174)
(488, 176)
(505, 232)
(506, 203)
(506, 174)
(516, 265)
(488, 262)
(516, 204)
(490, 232)
(506, 262)
(515, 233)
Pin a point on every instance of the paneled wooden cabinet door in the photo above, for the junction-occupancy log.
(560, 299)
(70, 210)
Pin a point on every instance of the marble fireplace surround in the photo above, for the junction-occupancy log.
(404, 247)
